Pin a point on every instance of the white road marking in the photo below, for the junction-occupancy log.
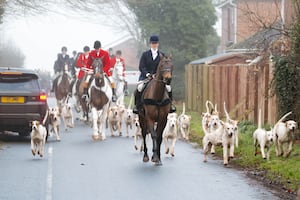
(49, 174)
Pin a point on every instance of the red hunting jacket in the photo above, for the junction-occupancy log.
(105, 60)
(82, 63)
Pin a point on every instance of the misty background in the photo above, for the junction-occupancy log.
(32, 32)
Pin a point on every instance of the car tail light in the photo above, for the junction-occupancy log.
(43, 97)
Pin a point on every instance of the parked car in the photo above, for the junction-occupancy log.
(22, 100)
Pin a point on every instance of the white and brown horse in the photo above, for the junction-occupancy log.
(100, 94)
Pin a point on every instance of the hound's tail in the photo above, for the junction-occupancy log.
(226, 113)
(183, 108)
(282, 118)
(207, 108)
(259, 118)
(45, 117)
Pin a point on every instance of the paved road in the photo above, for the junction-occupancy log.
(80, 168)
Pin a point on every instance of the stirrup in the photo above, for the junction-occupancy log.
(172, 109)
(114, 98)
(126, 92)
(135, 110)
(84, 96)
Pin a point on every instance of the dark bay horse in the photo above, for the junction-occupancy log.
(155, 108)
(62, 88)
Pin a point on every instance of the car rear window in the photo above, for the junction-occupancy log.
(18, 83)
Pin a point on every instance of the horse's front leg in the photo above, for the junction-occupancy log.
(146, 157)
(95, 124)
(103, 119)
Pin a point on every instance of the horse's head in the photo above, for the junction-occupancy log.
(97, 66)
(98, 71)
(165, 69)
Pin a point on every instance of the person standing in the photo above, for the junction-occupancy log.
(118, 58)
(102, 54)
(147, 67)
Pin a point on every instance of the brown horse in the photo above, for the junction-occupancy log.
(82, 102)
(61, 90)
(155, 108)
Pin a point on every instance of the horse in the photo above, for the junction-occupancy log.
(155, 107)
(117, 75)
(100, 93)
(81, 103)
(61, 90)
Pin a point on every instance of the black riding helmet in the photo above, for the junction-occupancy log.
(86, 48)
(64, 49)
(97, 44)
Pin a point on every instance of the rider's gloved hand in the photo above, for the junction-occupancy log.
(148, 75)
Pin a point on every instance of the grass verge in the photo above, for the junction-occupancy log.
(280, 171)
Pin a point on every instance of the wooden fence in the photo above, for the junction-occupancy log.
(244, 89)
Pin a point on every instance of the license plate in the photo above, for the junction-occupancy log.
(12, 99)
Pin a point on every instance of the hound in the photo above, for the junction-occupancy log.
(67, 115)
(138, 133)
(170, 132)
(129, 116)
(38, 136)
(54, 121)
(114, 120)
(212, 138)
(284, 134)
(184, 123)
(262, 138)
(235, 124)
(228, 142)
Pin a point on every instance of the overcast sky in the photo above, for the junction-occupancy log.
(41, 38)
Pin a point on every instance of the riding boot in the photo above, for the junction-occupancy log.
(85, 91)
(71, 88)
(137, 102)
(126, 92)
(172, 107)
(114, 97)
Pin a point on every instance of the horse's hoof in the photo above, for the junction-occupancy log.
(159, 163)
(172, 154)
(95, 137)
(145, 159)
(136, 148)
(155, 159)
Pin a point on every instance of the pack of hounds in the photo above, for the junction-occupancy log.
(118, 116)
(225, 134)
(216, 131)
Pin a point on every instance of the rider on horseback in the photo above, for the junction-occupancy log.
(115, 60)
(102, 54)
(148, 66)
(63, 59)
(82, 64)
